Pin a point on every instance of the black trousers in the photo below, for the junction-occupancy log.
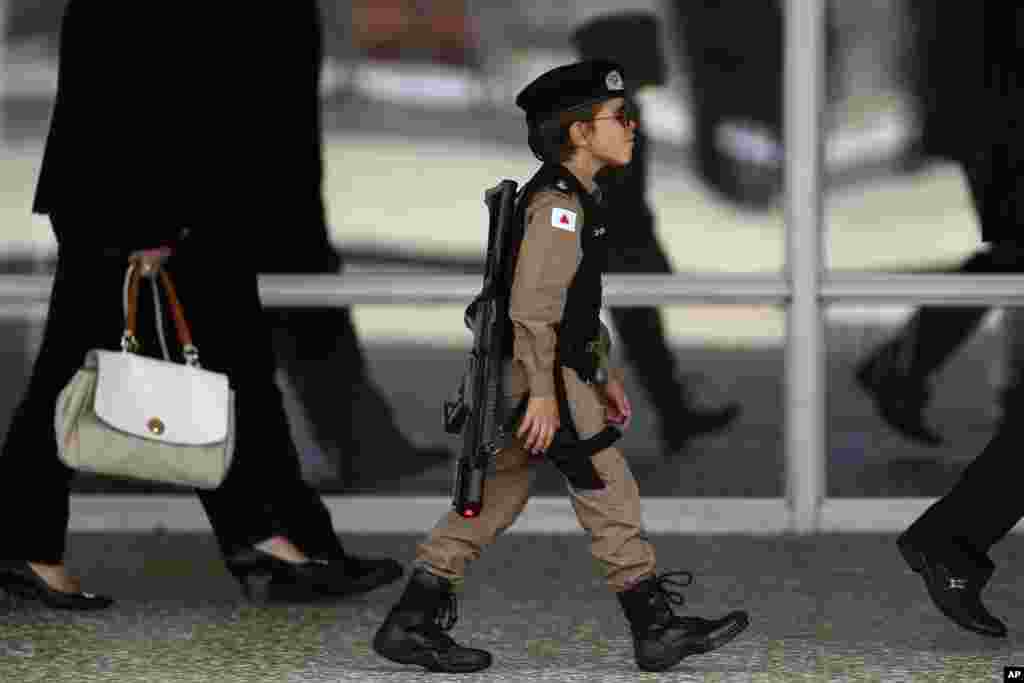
(318, 349)
(985, 503)
(635, 249)
(264, 493)
(934, 333)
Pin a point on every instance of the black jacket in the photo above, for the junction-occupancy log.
(197, 115)
(996, 172)
(966, 83)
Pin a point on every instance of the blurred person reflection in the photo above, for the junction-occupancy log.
(175, 164)
(317, 347)
(632, 40)
(948, 545)
(952, 72)
(733, 52)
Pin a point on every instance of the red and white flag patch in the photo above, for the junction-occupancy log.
(564, 219)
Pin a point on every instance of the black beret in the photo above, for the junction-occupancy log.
(570, 86)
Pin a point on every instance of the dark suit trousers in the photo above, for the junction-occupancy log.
(635, 249)
(985, 503)
(935, 332)
(264, 493)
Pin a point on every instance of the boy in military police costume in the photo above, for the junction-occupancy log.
(579, 122)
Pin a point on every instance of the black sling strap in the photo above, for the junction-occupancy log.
(572, 455)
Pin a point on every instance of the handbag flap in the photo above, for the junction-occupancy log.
(161, 400)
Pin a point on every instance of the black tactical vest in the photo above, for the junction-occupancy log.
(581, 321)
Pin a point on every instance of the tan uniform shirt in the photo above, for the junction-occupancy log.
(550, 253)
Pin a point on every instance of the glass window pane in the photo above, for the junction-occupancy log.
(967, 358)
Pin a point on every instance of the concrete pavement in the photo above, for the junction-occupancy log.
(823, 608)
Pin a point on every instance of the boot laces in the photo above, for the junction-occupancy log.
(665, 592)
(443, 619)
(448, 613)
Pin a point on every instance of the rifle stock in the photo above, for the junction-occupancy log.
(482, 433)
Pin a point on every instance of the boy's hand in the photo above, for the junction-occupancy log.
(617, 407)
(539, 424)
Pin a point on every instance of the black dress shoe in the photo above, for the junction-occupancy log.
(19, 579)
(955, 590)
(266, 578)
(694, 422)
(368, 573)
(900, 399)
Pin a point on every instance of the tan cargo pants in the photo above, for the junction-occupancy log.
(611, 516)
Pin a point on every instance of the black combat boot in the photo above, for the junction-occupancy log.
(414, 632)
(660, 638)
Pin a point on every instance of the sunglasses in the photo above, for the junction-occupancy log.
(624, 116)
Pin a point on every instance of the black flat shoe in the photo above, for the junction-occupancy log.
(19, 579)
(266, 578)
(369, 573)
(900, 400)
(694, 422)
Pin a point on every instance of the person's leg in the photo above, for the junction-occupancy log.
(982, 506)
(1011, 386)
(612, 517)
(646, 348)
(896, 375)
(636, 249)
(221, 305)
(456, 541)
(315, 347)
(351, 420)
(29, 461)
(84, 313)
(948, 544)
(414, 630)
(264, 503)
(935, 333)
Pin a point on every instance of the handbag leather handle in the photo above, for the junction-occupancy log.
(129, 341)
(184, 334)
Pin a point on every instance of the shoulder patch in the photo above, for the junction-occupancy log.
(564, 219)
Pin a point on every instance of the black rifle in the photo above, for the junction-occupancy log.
(475, 415)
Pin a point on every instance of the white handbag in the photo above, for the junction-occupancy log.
(127, 415)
